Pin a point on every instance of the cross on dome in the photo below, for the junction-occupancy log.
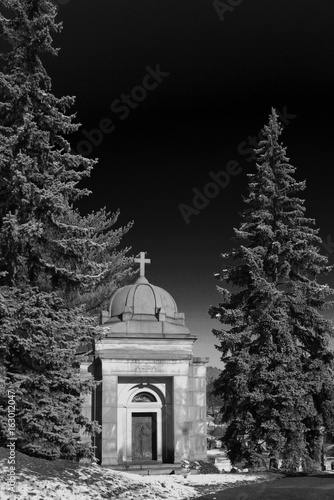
(142, 261)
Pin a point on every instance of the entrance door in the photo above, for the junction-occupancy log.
(144, 436)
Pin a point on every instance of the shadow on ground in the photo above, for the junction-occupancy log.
(313, 487)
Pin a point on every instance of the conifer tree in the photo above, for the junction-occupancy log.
(56, 266)
(277, 383)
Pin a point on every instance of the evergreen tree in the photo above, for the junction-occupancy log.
(277, 383)
(56, 266)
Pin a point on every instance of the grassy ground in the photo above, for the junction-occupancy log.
(312, 487)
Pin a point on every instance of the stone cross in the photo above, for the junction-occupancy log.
(142, 261)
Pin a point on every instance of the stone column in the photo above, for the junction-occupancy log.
(181, 418)
(199, 408)
(87, 410)
(109, 416)
(122, 434)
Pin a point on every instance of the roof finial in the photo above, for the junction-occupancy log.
(142, 261)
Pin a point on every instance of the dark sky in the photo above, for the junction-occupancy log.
(222, 73)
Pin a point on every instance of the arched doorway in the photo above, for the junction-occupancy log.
(142, 425)
(144, 428)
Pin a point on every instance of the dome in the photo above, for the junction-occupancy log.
(143, 310)
(142, 298)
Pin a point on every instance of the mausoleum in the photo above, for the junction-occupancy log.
(151, 402)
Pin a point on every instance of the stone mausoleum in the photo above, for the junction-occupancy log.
(151, 402)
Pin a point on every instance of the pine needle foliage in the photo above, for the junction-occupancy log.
(57, 267)
(278, 381)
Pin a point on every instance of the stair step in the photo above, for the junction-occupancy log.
(147, 469)
(153, 472)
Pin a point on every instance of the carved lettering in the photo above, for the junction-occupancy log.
(146, 368)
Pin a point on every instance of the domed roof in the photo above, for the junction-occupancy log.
(143, 310)
(142, 298)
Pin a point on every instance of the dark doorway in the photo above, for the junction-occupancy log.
(144, 436)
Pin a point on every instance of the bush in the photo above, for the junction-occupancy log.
(207, 468)
(201, 466)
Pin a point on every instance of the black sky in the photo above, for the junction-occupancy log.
(224, 76)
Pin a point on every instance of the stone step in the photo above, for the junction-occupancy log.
(154, 472)
(147, 469)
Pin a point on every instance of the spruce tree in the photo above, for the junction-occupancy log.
(57, 267)
(277, 384)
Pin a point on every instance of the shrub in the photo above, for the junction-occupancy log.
(207, 468)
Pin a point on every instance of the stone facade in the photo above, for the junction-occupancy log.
(151, 402)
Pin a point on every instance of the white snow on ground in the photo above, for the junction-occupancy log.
(116, 485)
(99, 484)
(40, 479)
(222, 479)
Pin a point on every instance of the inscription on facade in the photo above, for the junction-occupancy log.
(146, 368)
